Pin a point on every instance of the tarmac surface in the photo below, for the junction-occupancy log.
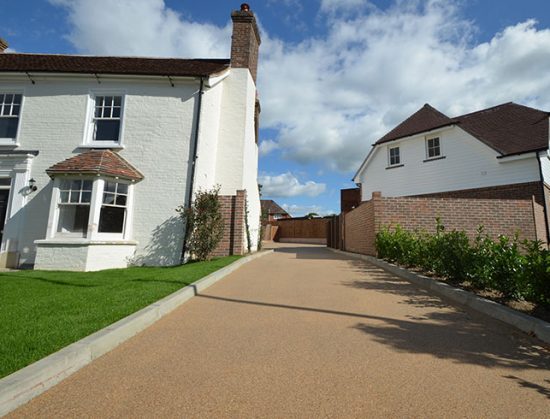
(303, 333)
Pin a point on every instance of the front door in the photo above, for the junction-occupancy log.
(4, 199)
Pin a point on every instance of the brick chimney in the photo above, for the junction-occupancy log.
(245, 41)
(3, 45)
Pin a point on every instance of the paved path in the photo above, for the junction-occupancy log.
(308, 333)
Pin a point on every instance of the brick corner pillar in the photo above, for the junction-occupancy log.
(234, 232)
(245, 41)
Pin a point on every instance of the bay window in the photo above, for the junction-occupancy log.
(92, 208)
(75, 197)
(113, 208)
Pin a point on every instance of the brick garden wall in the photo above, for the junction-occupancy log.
(234, 237)
(522, 191)
(359, 229)
(498, 216)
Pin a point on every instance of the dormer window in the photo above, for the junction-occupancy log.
(433, 148)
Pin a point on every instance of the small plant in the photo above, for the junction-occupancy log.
(204, 223)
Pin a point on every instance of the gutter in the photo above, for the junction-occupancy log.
(187, 203)
(545, 207)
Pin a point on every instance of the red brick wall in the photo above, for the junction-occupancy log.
(234, 236)
(498, 216)
(516, 191)
(359, 229)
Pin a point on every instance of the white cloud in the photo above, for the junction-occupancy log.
(302, 210)
(339, 6)
(267, 146)
(143, 28)
(329, 97)
(286, 185)
(334, 96)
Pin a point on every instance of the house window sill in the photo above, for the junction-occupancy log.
(84, 242)
(395, 166)
(102, 145)
(8, 143)
(434, 158)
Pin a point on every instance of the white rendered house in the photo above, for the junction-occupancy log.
(495, 153)
(96, 153)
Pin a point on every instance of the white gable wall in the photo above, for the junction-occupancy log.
(545, 166)
(468, 164)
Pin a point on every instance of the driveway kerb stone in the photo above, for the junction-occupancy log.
(27, 383)
(521, 321)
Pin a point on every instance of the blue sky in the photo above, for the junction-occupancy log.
(334, 76)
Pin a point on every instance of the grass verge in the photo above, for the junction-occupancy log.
(44, 311)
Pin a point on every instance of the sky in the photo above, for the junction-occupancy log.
(334, 75)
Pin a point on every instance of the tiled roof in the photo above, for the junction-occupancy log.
(50, 63)
(425, 119)
(508, 128)
(271, 207)
(96, 162)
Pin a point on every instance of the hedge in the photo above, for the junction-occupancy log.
(517, 269)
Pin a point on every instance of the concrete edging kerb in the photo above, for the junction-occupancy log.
(521, 321)
(23, 385)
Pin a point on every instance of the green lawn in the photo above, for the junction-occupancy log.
(43, 311)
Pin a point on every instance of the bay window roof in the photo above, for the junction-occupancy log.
(97, 163)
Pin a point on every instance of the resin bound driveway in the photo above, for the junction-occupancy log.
(305, 332)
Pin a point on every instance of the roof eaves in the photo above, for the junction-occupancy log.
(452, 122)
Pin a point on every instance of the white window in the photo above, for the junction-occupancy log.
(75, 197)
(113, 209)
(433, 148)
(105, 129)
(394, 157)
(10, 109)
(92, 208)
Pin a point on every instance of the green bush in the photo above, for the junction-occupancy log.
(535, 275)
(516, 270)
(204, 223)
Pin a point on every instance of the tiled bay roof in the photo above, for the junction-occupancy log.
(508, 128)
(96, 162)
(51, 63)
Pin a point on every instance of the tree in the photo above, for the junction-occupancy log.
(204, 223)
(312, 215)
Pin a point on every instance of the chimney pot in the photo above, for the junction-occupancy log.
(3, 45)
(245, 7)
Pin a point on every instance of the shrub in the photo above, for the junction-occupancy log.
(204, 223)
(503, 265)
(535, 275)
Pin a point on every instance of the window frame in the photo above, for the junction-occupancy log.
(7, 90)
(89, 130)
(60, 205)
(96, 202)
(427, 142)
(390, 148)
